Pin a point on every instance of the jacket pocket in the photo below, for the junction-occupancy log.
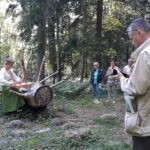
(132, 124)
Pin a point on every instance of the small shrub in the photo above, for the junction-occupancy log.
(70, 90)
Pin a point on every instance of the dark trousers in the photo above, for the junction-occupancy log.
(141, 143)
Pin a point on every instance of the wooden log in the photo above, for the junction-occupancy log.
(38, 96)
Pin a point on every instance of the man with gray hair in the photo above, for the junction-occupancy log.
(137, 86)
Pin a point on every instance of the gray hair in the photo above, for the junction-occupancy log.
(130, 60)
(139, 24)
(95, 64)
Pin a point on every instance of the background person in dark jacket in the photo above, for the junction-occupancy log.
(96, 79)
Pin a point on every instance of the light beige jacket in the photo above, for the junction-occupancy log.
(138, 85)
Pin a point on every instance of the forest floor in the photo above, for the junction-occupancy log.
(76, 124)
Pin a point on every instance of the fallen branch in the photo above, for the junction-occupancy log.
(49, 77)
(57, 83)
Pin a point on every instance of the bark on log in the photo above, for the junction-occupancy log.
(38, 96)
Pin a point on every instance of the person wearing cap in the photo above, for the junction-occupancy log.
(111, 81)
(127, 68)
(96, 81)
(8, 79)
(7, 75)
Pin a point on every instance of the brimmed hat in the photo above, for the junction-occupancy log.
(9, 60)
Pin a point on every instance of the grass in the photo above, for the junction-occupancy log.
(52, 142)
(108, 121)
(62, 104)
(104, 131)
(67, 109)
(86, 102)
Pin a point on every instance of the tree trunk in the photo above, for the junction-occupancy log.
(99, 10)
(51, 40)
(86, 65)
(41, 37)
(85, 15)
(59, 51)
(34, 96)
(83, 66)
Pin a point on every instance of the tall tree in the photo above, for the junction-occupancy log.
(51, 36)
(41, 36)
(84, 50)
(99, 18)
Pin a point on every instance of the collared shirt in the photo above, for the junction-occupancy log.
(127, 70)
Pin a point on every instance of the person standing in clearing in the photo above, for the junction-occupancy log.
(96, 81)
(137, 86)
(127, 68)
(111, 81)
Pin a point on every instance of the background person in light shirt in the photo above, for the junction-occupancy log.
(8, 80)
(7, 75)
(127, 68)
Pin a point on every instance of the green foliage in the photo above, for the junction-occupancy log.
(29, 18)
(70, 89)
(75, 26)
(111, 23)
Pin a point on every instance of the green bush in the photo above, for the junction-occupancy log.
(70, 89)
